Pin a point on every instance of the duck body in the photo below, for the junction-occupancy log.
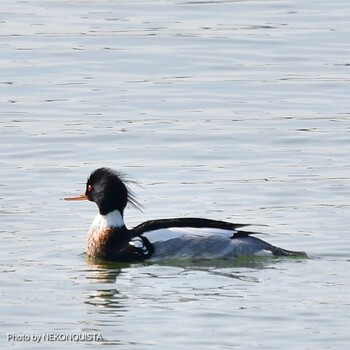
(176, 238)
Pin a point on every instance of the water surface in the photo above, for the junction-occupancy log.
(232, 110)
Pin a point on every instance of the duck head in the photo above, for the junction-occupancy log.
(107, 188)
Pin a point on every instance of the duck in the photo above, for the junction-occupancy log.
(172, 238)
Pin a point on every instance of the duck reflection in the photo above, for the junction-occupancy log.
(120, 275)
(100, 271)
(240, 268)
(104, 273)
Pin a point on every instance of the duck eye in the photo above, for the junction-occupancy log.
(89, 188)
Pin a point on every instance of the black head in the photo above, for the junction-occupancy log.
(108, 190)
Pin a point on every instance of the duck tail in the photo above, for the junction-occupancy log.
(276, 251)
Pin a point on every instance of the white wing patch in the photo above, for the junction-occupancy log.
(165, 234)
(137, 242)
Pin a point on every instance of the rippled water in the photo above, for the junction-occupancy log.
(235, 110)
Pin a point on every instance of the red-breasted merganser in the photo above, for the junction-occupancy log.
(109, 239)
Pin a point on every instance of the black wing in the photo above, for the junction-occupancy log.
(153, 225)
